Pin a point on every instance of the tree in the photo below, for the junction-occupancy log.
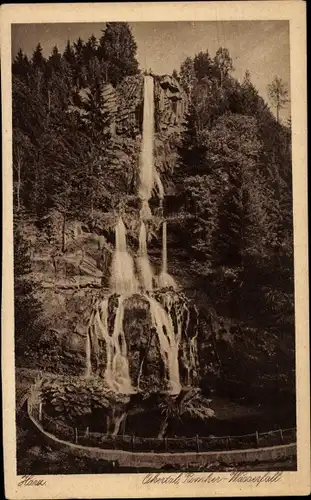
(54, 61)
(90, 49)
(223, 64)
(79, 48)
(22, 153)
(37, 59)
(27, 310)
(21, 66)
(39, 67)
(69, 54)
(189, 402)
(190, 151)
(118, 48)
(94, 72)
(187, 75)
(249, 97)
(278, 95)
(203, 66)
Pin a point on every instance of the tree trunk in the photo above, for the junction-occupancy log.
(163, 429)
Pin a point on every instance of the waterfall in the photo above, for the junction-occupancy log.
(169, 313)
(117, 374)
(143, 260)
(159, 184)
(165, 280)
(146, 155)
(168, 342)
(122, 276)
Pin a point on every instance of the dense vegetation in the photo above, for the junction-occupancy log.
(232, 175)
(235, 176)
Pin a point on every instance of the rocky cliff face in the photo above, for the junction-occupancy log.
(141, 344)
(68, 282)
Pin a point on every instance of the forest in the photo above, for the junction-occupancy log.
(231, 180)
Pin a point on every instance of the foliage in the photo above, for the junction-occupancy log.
(189, 402)
(278, 94)
(118, 48)
(74, 400)
(27, 311)
(61, 123)
(233, 176)
(187, 74)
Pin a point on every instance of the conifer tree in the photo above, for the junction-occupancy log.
(21, 66)
(37, 59)
(79, 67)
(223, 65)
(118, 48)
(27, 310)
(55, 59)
(69, 54)
(249, 96)
(187, 75)
(278, 95)
(203, 66)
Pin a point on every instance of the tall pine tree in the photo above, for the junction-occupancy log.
(118, 48)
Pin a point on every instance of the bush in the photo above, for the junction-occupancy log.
(72, 400)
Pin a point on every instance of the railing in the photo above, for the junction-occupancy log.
(197, 444)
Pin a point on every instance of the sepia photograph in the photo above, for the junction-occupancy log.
(153, 248)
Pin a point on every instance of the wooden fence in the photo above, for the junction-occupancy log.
(159, 445)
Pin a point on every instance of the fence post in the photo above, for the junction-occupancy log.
(228, 443)
(133, 441)
(165, 443)
(76, 435)
(257, 439)
(40, 411)
(197, 443)
(87, 432)
(281, 436)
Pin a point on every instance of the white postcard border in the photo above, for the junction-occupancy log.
(131, 485)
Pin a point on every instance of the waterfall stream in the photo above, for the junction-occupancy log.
(146, 155)
(169, 315)
(168, 342)
(117, 375)
(123, 278)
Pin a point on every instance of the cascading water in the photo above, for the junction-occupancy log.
(117, 374)
(146, 273)
(123, 278)
(159, 185)
(146, 155)
(168, 313)
(165, 279)
(168, 343)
